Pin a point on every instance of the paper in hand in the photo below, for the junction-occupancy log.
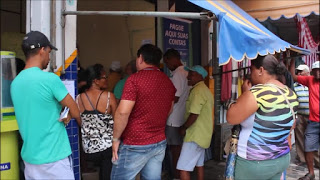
(64, 114)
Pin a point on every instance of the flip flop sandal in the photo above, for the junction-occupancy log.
(308, 176)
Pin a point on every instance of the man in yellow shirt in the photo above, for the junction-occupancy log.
(198, 127)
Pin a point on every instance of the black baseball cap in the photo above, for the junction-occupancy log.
(36, 39)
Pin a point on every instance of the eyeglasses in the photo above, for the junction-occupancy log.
(103, 77)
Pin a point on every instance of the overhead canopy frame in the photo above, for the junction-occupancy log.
(189, 15)
(207, 16)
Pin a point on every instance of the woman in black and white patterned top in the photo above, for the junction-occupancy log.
(97, 108)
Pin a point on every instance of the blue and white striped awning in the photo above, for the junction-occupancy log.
(240, 35)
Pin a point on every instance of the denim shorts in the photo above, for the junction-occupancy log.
(312, 138)
(133, 159)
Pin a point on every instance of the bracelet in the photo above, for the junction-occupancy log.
(115, 139)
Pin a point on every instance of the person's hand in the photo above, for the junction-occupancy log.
(115, 148)
(246, 85)
(67, 119)
(182, 131)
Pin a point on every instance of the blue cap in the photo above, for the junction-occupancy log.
(199, 69)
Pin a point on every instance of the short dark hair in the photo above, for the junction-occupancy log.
(93, 72)
(270, 64)
(30, 52)
(151, 54)
(171, 53)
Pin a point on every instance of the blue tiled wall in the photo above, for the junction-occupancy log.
(72, 128)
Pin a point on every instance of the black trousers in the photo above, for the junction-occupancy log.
(103, 160)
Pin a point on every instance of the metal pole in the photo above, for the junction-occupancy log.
(53, 63)
(63, 25)
(215, 67)
(188, 15)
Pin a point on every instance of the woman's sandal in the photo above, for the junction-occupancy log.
(308, 176)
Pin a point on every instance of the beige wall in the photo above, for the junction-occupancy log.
(103, 39)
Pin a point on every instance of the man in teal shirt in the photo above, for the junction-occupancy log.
(38, 98)
(198, 127)
(130, 69)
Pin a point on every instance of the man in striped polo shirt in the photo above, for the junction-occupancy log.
(303, 113)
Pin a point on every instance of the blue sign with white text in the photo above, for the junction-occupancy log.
(176, 36)
(5, 166)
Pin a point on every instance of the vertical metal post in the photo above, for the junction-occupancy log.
(216, 69)
(63, 25)
(218, 127)
(53, 64)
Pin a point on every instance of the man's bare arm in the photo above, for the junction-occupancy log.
(120, 123)
(121, 117)
(292, 70)
(73, 108)
(171, 108)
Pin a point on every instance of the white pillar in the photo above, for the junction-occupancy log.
(38, 16)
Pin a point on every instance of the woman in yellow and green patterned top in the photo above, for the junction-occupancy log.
(266, 120)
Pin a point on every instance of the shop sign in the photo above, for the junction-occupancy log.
(5, 166)
(176, 35)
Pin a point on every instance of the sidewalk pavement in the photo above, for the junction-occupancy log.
(214, 170)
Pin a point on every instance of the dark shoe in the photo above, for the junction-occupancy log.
(308, 176)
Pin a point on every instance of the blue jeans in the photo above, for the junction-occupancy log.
(133, 159)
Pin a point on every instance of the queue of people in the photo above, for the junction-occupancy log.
(126, 128)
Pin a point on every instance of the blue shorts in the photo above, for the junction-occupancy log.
(133, 159)
(191, 155)
(312, 138)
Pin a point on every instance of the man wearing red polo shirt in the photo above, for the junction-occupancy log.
(140, 119)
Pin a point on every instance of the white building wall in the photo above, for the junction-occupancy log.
(39, 19)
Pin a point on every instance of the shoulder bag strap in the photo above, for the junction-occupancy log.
(291, 109)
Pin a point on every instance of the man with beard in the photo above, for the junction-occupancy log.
(38, 98)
